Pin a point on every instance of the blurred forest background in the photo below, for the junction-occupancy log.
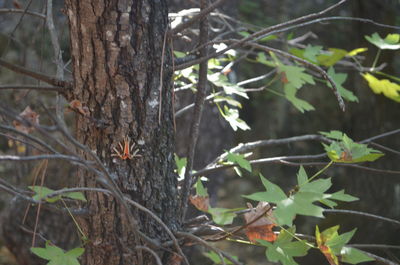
(268, 115)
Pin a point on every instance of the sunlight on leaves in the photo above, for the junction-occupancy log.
(384, 86)
(391, 42)
(345, 150)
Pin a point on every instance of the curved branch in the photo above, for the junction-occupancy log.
(14, 10)
(369, 215)
(39, 76)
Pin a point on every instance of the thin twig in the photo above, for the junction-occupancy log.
(57, 55)
(152, 252)
(161, 77)
(204, 12)
(39, 76)
(369, 215)
(14, 10)
(261, 33)
(197, 113)
(33, 87)
(208, 245)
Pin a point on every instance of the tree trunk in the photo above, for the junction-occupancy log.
(117, 50)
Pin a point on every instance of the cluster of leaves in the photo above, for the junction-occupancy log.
(389, 89)
(344, 150)
(57, 256)
(50, 252)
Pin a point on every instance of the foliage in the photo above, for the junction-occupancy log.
(345, 150)
(300, 201)
(57, 256)
(43, 193)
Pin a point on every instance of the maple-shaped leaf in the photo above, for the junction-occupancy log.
(222, 216)
(240, 160)
(290, 94)
(29, 115)
(261, 228)
(332, 245)
(57, 256)
(333, 56)
(284, 249)
(384, 86)
(296, 76)
(339, 79)
(301, 202)
(391, 42)
(345, 150)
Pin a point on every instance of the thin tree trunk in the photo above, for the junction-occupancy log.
(117, 49)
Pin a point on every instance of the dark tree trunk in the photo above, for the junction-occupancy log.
(117, 49)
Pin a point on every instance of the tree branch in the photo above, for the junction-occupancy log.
(39, 76)
(33, 87)
(260, 33)
(14, 10)
(197, 113)
(369, 215)
(204, 12)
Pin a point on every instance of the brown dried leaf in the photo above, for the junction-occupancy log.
(16, 4)
(29, 115)
(77, 106)
(200, 202)
(262, 227)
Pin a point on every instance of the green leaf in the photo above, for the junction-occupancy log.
(75, 196)
(221, 80)
(341, 196)
(261, 58)
(231, 101)
(338, 242)
(384, 86)
(216, 258)
(284, 249)
(301, 105)
(232, 116)
(222, 216)
(240, 160)
(391, 42)
(311, 52)
(339, 79)
(332, 57)
(200, 190)
(181, 165)
(295, 75)
(302, 177)
(268, 38)
(345, 150)
(56, 255)
(357, 51)
(42, 192)
(353, 256)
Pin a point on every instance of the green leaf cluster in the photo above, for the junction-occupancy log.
(344, 150)
(57, 256)
(333, 245)
(284, 249)
(390, 42)
(302, 201)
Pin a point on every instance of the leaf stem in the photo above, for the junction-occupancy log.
(321, 171)
(376, 59)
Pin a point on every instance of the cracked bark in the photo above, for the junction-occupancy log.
(116, 49)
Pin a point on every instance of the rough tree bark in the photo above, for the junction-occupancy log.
(117, 50)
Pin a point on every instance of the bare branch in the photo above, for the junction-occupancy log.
(262, 32)
(152, 252)
(198, 110)
(369, 215)
(39, 76)
(204, 12)
(207, 245)
(33, 87)
(14, 10)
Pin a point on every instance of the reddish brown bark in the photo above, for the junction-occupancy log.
(116, 48)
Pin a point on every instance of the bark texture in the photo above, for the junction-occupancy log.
(116, 48)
